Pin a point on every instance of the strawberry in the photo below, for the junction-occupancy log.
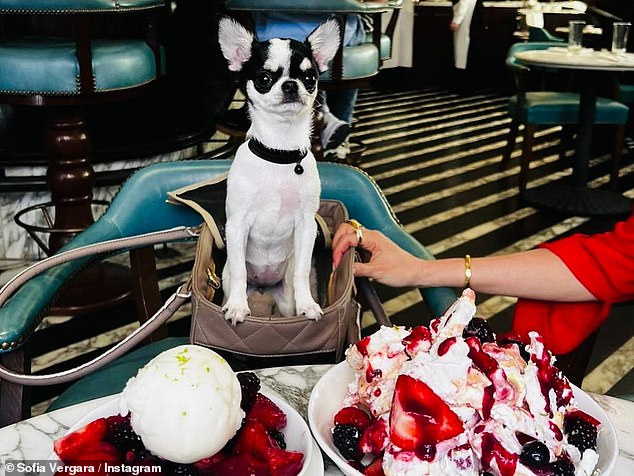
(284, 463)
(241, 465)
(253, 439)
(374, 438)
(71, 446)
(419, 418)
(92, 455)
(267, 412)
(375, 468)
(352, 416)
(99, 452)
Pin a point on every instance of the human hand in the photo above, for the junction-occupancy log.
(389, 264)
(453, 26)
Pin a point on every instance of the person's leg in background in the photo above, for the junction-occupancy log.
(338, 109)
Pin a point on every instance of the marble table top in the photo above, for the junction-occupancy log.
(32, 439)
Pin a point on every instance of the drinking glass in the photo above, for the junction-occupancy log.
(620, 32)
(575, 35)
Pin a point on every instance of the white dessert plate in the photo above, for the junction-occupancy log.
(296, 433)
(327, 397)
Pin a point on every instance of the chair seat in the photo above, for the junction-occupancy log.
(359, 61)
(51, 67)
(112, 378)
(626, 93)
(385, 48)
(563, 108)
(58, 6)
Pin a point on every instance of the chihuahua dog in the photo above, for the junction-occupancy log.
(273, 186)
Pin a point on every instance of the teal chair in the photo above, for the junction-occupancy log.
(140, 207)
(542, 34)
(63, 56)
(534, 108)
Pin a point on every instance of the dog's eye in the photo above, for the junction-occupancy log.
(310, 78)
(264, 79)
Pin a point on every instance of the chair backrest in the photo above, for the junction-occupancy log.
(542, 34)
(511, 60)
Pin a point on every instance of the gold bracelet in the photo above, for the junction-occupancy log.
(467, 270)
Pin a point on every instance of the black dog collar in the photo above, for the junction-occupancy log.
(278, 156)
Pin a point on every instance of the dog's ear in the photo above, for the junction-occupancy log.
(235, 41)
(324, 43)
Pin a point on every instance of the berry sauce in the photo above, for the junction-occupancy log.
(493, 450)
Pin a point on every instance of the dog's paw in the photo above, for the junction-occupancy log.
(310, 309)
(236, 311)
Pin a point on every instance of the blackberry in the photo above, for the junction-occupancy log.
(278, 436)
(581, 434)
(250, 386)
(125, 439)
(346, 439)
(563, 467)
(479, 328)
(534, 454)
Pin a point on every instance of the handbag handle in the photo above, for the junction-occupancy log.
(166, 311)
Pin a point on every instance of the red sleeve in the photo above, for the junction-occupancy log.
(604, 264)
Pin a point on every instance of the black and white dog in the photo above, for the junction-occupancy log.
(273, 186)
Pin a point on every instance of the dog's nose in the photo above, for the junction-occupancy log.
(289, 87)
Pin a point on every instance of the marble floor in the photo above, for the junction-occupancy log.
(436, 155)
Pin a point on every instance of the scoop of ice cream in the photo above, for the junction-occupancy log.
(184, 404)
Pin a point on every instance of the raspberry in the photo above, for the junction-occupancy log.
(346, 439)
(278, 436)
(250, 386)
(581, 433)
(352, 416)
(479, 328)
(267, 412)
(563, 467)
(534, 454)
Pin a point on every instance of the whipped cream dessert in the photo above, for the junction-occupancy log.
(188, 391)
(454, 399)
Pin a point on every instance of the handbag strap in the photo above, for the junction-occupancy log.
(168, 309)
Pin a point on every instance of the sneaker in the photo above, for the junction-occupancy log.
(335, 131)
(339, 153)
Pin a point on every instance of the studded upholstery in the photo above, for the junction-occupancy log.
(59, 6)
(34, 66)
